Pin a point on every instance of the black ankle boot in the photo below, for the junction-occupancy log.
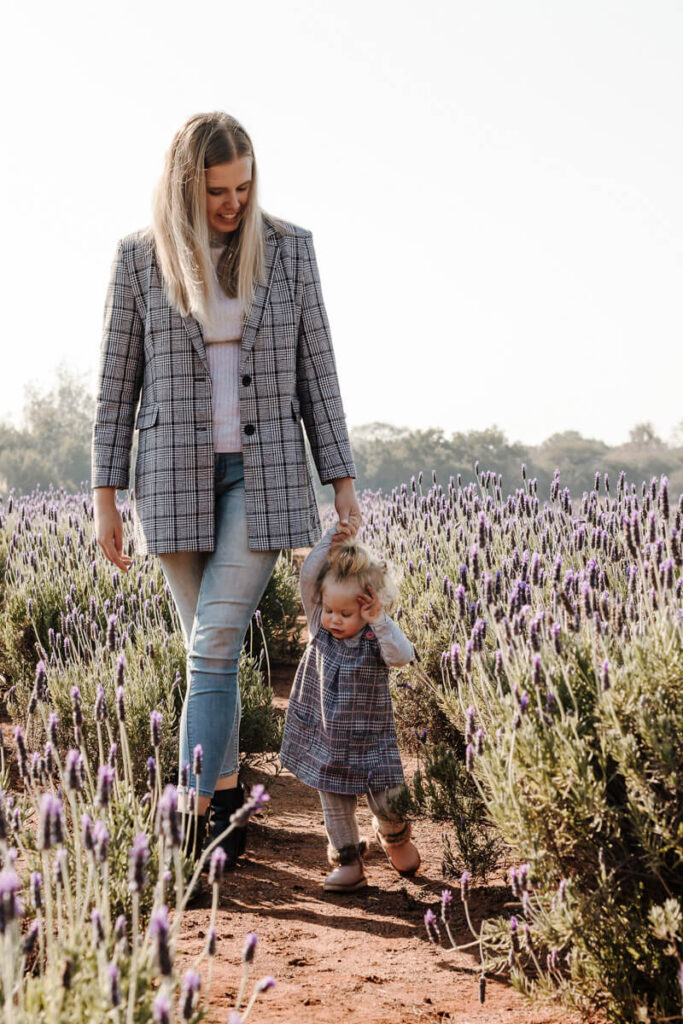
(224, 803)
(194, 840)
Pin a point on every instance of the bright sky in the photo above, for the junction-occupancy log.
(494, 190)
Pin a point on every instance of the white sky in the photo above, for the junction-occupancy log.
(494, 187)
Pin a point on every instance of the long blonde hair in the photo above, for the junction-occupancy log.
(179, 222)
(353, 560)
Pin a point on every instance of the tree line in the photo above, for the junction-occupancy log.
(53, 447)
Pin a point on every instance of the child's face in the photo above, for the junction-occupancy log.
(341, 611)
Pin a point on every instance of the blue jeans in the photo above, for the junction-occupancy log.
(216, 594)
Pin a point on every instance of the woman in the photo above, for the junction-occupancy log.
(215, 322)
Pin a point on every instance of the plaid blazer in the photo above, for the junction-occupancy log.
(153, 356)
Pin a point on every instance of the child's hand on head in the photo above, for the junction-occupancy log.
(371, 609)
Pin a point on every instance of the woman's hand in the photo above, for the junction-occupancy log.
(371, 609)
(109, 527)
(346, 505)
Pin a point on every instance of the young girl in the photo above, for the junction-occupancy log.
(339, 734)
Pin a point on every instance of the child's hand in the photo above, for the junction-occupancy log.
(344, 531)
(371, 609)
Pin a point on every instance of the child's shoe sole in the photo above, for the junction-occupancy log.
(353, 887)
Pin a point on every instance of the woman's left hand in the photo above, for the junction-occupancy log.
(346, 504)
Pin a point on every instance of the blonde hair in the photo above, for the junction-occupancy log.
(179, 222)
(353, 560)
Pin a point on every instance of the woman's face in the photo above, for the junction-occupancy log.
(227, 193)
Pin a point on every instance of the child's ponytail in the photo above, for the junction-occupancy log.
(352, 559)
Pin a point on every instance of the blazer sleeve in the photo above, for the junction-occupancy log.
(119, 380)
(317, 384)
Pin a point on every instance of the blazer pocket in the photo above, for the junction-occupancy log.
(147, 417)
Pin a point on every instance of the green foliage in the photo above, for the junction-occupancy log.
(553, 641)
(279, 614)
(442, 789)
(261, 728)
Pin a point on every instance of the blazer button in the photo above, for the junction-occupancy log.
(246, 380)
(249, 429)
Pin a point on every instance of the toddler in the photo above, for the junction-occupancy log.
(339, 734)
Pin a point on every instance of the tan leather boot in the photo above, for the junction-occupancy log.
(403, 855)
(349, 873)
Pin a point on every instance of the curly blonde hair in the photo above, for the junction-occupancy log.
(353, 560)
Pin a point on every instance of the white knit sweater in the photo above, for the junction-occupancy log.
(222, 336)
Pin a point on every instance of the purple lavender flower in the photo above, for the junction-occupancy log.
(52, 728)
(432, 927)
(111, 631)
(190, 986)
(263, 984)
(10, 904)
(87, 833)
(120, 927)
(211, 941)
(469, 724)
(41, 681)
(105, 783)
(101, 842)
(159, 933)
(514, 934)
(604, 675)
(73, 771)
(252, 805)
(51, 822)
(139, 855)
(120, 704)
(100, 704)
(465, 886)
(161, 1009)
(217, 866)
(114, 986)
(198, 760)
(155, 720)
(446, 900)
(36, 889)
(97, 927)
(168, 817)
(249, 948)
(151, 772)
(120, 669)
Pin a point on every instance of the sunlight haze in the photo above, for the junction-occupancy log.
(494, 191)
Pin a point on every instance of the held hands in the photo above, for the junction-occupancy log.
(347, 508)
(371, 609)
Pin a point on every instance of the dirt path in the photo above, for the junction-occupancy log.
(336, 959)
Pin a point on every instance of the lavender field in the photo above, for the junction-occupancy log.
(546, 708)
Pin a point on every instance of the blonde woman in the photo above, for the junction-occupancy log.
(215, 330)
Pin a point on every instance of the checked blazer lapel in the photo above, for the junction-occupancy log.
(194, 330)
(252, 320)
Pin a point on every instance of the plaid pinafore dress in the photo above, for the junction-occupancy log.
(339, 734)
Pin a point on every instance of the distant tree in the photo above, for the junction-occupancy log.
(53, 446)
(643, 434)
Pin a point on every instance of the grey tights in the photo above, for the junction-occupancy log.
(341, 823)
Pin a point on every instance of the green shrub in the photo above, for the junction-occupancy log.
(552, 637)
